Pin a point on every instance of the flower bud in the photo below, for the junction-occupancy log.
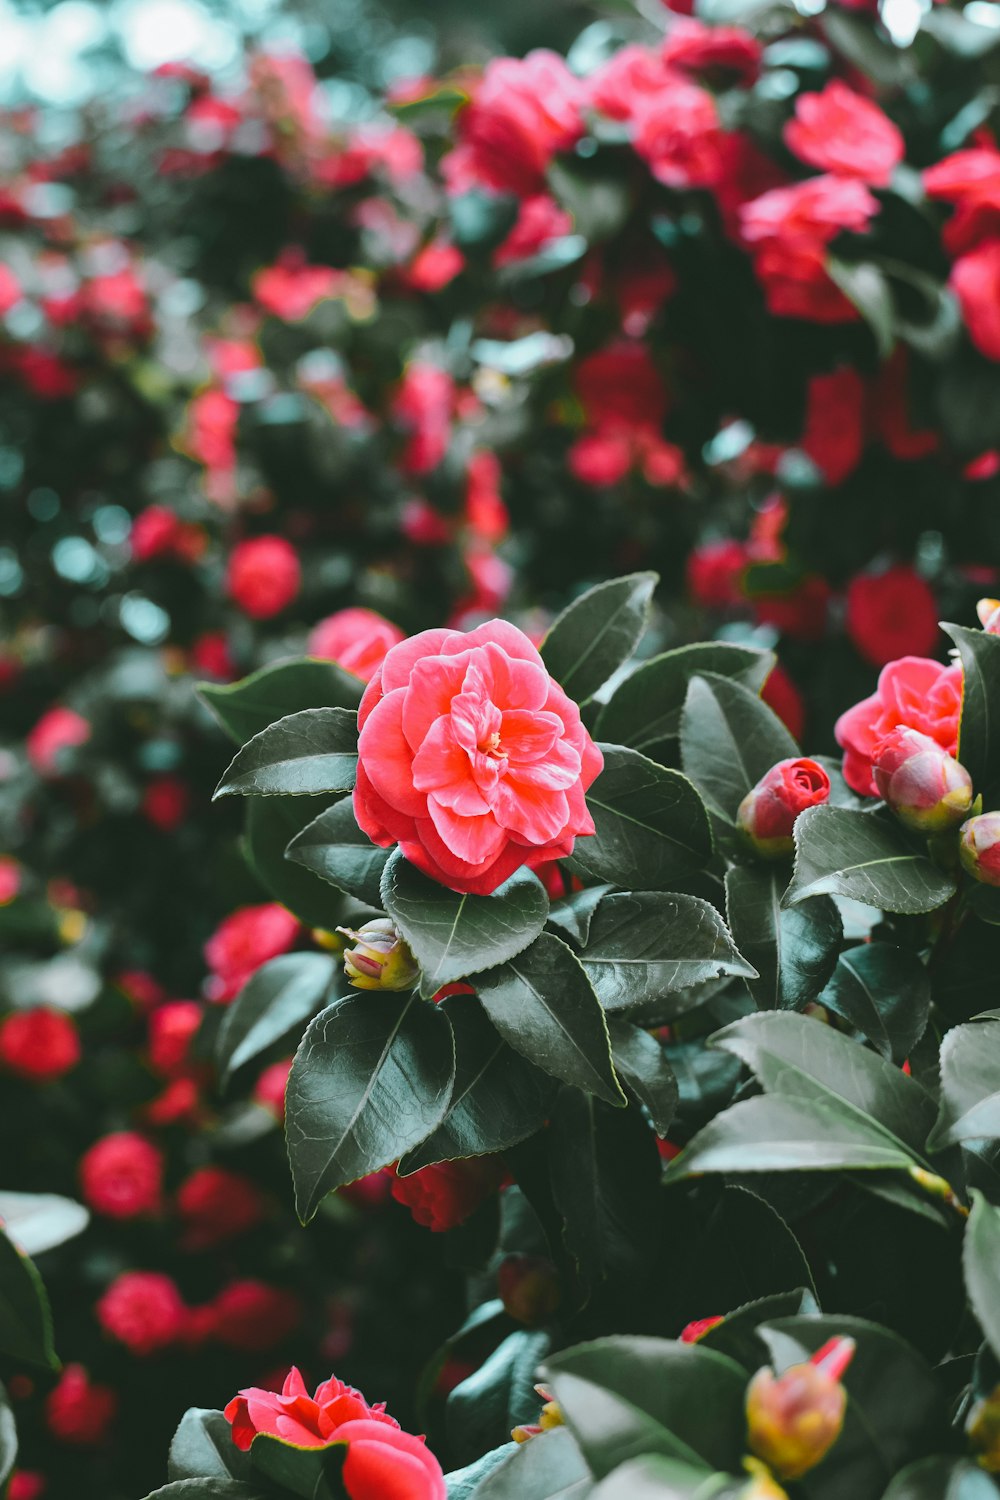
(767, 814)
(988, 611)
(550, 1416)
(925, 787)
(982, 1428)
(529, 1288)
(979, 847)
(380, 960)
(762, 1484)
(794, 1419)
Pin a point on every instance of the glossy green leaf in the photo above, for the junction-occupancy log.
(203, 1447)
(308, 754)
(25, 1321)
(466, 1483)
(573, 914)
(794, 949)
(656, 1478)
(280, 996)
(498, 1396)
(641, 1061)
(970, 1084)
(310, 1473)
(628, 1396)
(499, 1098)
(212, 1488)
(942, 1478)
(590, 640)
(979, 732)
(737, 1334)
(372, 1078)
(644, 712)
(270, 823)
(8, 1438)
(775, 1134)
(729, 740)
(843, 853)
(333, 847)
(799, 1056)
(542, 1003)
(651, 826)
(453, 935)
(549, 1467)
(645, 946)
(245, 708)
(981, 1264)
(884, 992)
(41, 1221)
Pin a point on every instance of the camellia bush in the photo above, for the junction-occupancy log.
(681, 1030)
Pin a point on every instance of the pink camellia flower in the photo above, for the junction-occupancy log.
(382, 1462)
(57, 730)
(243, 941)
(840, 131)
(471, 758)
(121, 1175)
(356, 639)
(263, 576)
(677, 133)
(979, 848)
(914, 691)
(926, 787)
(975, 280)
(768, 812)
(523, 111)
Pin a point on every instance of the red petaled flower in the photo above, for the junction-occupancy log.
(121, 1176)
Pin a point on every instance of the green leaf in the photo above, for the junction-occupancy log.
(311, 1473)
(737, 1335)
(372, 1078)
(333, 847)
(499, 1395)
(981, 1264)
(8, 1438)
(203, 1447)
(652, 828)
(884, 992)
(642, 1062)
(970, 1084)
(271, 822)
(794, 950)
(729, 740)
(212, 1488)
(842, 853)
(979, 731)
(656, 1478)
(771, 1133)
(574, 913)
(453, 935)
(895, 1411)
(604, 1171)
(942, 1478)
(543, 1004)
(796, 1055)
(25, 1320)
(280, 996)
(464, 1484)
(644, 712)
(645, 946)
(865, 285)
(41, 1221)
(549, 1467)
(629, 1396)
(245, 708)
(597, 632)
(498, 1099)
(309, 754)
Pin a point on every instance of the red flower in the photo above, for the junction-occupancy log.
(522, 112)
(472, 758)
(714, 570)
(216, 1205)
(891, 614)
(791, 228)
(697, 48)
(925, 786)
(975, 280)
(783, 698)
(630, 76)
(291, 289)
(10, 290)
(58, 730)
(621, 384)
(171, 1028)
(424, 405)
(269, 1090)
(840, 131)
(121, 1175)
(979, 848)
(40, 1044)
(768, 812)
(243, 941)
(165, 802)
(677, 132)
(251, 1316)
(913, 691)
(445, 1195)
(357, 639)
(539, 220)
(263, 576)
(382, 1463)
(78, 1411)
(142, 1310)
(834, 434)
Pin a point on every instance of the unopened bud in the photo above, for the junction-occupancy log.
(979, 847)
(794, 1419)
(767, 814)
(988, 611)
(692, 1332)
(982, 1428)
(925, 787)
(529, 1288)
(379, 960)
(550, 1416)
(762, 1484)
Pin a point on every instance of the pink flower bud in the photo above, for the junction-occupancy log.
(767, 814)
(380, 959)
(926, 788)
(979, 847)
(794, 1419)
(988, 611)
